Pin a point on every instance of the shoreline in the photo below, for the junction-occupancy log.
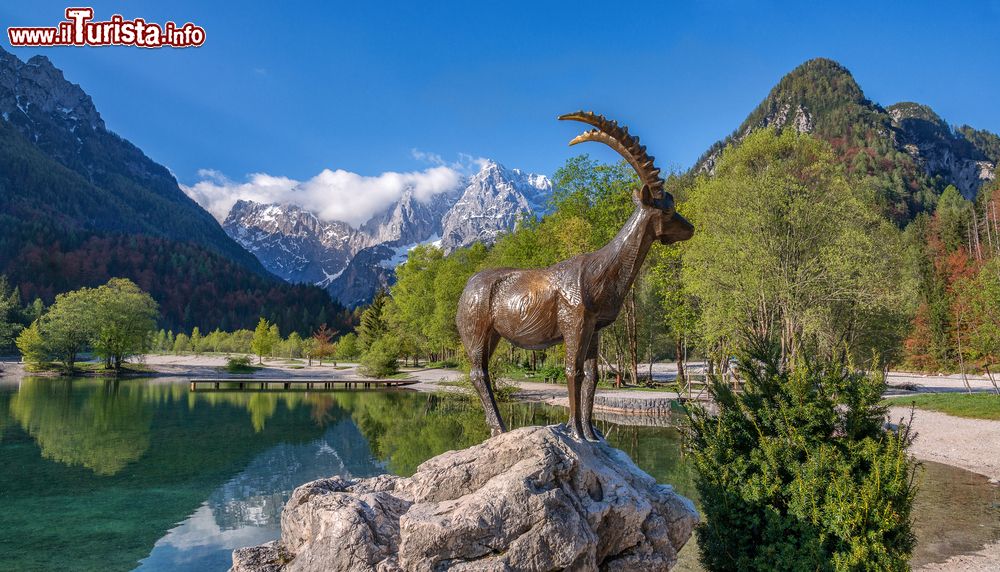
(986, 559)
(969, 444)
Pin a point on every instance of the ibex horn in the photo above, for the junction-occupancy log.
(618, 138)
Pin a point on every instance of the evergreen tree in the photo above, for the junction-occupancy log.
(263, 340)
(196, 340)
(373, 322)
(10, 305)
(798, 472)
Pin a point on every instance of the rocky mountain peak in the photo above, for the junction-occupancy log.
(352, 263)
(822, 98)
(955, 156)
(493, 201)
(909, 110)
(37, 87)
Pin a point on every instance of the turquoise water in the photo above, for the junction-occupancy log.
(142, 474)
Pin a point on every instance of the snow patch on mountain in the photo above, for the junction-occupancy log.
(353, 262)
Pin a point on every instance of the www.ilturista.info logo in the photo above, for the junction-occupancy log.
(79, 30)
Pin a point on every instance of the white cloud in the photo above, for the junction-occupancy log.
(332, 195)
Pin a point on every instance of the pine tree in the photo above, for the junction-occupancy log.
(373, 324)
(262, 341)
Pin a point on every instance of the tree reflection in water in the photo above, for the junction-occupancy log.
(102, 428)
(90, 464)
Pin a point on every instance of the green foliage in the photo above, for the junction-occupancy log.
(976, 306)
(970, 405)
(125, 321)
(10, 304)
(347, 347)
(264, 339)
(421, 310)
(373, 321)
(381, 358)
(292, 347)
(796, 472)
(182, 343)
(239, 364)
(309, 348)
(32, 345)
(69, 325)
(785, 247)
(953, 214)
(197, 340)
(858, 130)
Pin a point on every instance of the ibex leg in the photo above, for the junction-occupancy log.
(589, 389)
(577, 341)
(480, 376)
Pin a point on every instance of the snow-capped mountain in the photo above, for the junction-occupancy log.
(294, 243)
(493, 200)
(353, 263)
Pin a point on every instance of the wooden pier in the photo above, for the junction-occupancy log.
(292, 384)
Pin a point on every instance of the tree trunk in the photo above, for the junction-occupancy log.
(961, 358)
(679, 348)
(992, 379)
(632, 337)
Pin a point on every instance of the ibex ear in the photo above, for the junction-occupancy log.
(645, 196)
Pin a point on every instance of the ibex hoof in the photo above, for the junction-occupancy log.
(592, 434)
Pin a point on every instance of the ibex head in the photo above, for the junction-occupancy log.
(667, 225)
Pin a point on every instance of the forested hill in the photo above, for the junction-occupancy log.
(80, 205)
(905, 153)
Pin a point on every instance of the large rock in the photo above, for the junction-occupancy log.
(531, 499)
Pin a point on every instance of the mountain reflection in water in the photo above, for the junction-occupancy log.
(105, 475)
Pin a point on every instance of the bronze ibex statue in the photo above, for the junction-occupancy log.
(571, 300)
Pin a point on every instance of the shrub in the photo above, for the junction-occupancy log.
(797, 471)
(239, 364)
(553, 373)
(381, 359)
(31, 343)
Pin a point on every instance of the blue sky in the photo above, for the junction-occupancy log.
(292, 88)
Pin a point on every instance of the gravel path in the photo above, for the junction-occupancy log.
(971, 444)
(986, 560)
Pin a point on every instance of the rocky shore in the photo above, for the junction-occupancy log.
(531, 499)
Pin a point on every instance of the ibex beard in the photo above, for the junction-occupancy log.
(572, 300)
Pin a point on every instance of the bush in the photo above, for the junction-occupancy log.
(553, 373)
(381, 359)
(239, 364)
(797, 472)
(32, 345)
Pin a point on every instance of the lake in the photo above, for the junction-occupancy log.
(146, 475)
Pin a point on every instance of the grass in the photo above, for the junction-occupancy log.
(970, 405)
(398, 375)
(88, 368)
